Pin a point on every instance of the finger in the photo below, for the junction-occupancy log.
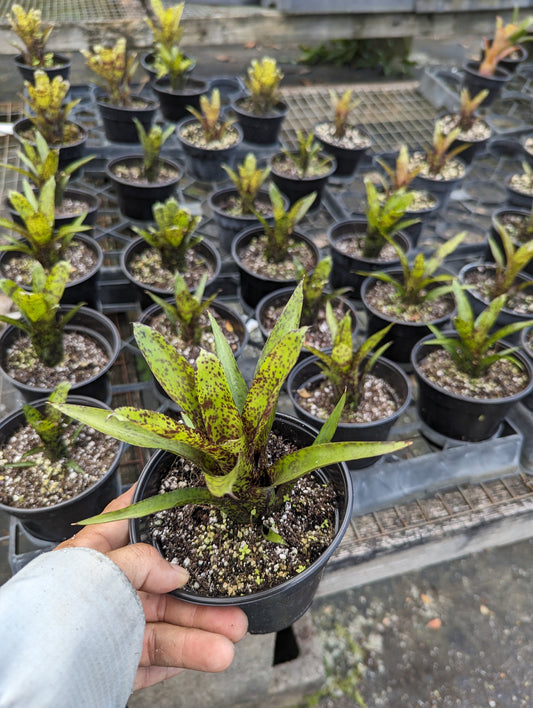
(147, 569)
(149, 675)
(185, 647)
(228, 621)
(104, 537)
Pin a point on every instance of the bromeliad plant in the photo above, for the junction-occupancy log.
(227, 426)
(510, 261)
(173, 234)
(401, 174)
(115, 67)
(187, 313)
(279, 232)
(248, 180)
(315, 294)
(345, 367)
(42, 162)
(34, 35)
(343, 105)
(152, 143)
(473, 349)
(166, 23)
(440, 152)
(40, 239)
(262, 81)
(48, 111)
(38, 310)
(468, 107)
(505, 41)
(209, 117)
(306, 158)
(384, 217)
(52, 428)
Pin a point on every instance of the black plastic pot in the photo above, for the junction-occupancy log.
(462, 417)
(205, 163)
(402, 335)
(526, 346)
(297, 187)
(345, 270)
(441, 188)
(308, 374)
(55, 523)
(93, 324)
(68, 152)
(472, 148)
(260, 129)
(516, 198)
(82, 289)
(61, 67)
(475, 82)
(346, 158)
(499, 213)
(118, 120)
(422, 215)
(229, 225)
(173, 104)
(135, 199)
(276, 608)
(253, 286)
(138, 245)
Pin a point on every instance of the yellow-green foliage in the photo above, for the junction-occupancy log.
(48, 112)
(209, 117)
(116, 67)
(33, 34)
(248, 180)
(505, 42)
(165, 24)
(263, 79)
(342, 107)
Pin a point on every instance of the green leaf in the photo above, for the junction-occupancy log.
(221, 417)
(288, 321)
(327, 431)
(233, 376)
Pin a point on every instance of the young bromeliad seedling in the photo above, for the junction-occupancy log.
(165, 23)
(187, 313)
(505, 41)
(209, 117)
(54, 431)
(248, 180)
(315, 293)
(152, 143)
(384, 217)
(418, 284)
(115, 67)
(173, 235)
(473, 349)
(279, 232)
(48, 112)
(510, 261)
(401, 174)
(306, 159)
(41, 240)
(42, 162)
(262, 81)
(227, 426)
(342, 105)
(346, 367)
(468, 107)
(440, 152)
(38, 310)
(34, 35)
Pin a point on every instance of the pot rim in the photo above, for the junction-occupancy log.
(135, 158)
(354, 221)
(23, 122)
(184, 122)
(490, 266)
(308, 178)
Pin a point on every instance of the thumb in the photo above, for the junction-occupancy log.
(147, 569)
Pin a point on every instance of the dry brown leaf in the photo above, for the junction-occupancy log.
(304, 393)
(250, 45)
(435, 623)
(222, 57)
(425, 598)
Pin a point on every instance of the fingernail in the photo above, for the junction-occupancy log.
(180, 572)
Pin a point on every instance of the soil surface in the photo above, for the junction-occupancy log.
(480, 130)
(353, 138)
(453, 169)
(482, 281)
(133, 173)
(288, 166)
(384, 298)
(253, 257)
(82, 259)
(522, 182)
(148, 267)
(516, 226)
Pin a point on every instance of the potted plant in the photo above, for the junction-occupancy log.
(234, 208)
(410, 298)
(118, 105)
(518, 224)
(49, 115)
(475, 132)
(487, 73)
(505, 276)
(318, 306)
(39, 163)
(376, 390)
(399, 176)
(34, 35)
(142, 180)
(268, 255)
(167, 32)
(151, 260)
(39, 239)
(298, 173)
(54, 470)
(208, 140)
(346, 142)
(247, 460)
(468, 378)
(441, 168)
(262, 112)
(51, 343)
(519, 187)
(361, 244)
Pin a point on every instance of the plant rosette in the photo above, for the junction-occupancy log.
(346, 240)
(441, 184)
(460, 407)
(384, 397)
(205, 159)
(516, 223)
(347, 150)
(268, 311)
(286, 174)
(74, 203)
(91, 345)
(260, 275)
(147, 62)
(475, 137)
(49, 496)
(143, 266)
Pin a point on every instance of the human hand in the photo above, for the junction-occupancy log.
(178, 635)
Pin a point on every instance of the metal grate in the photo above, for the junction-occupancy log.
(79, 10)
(392, 113)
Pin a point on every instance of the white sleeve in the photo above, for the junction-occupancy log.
(71, 633)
